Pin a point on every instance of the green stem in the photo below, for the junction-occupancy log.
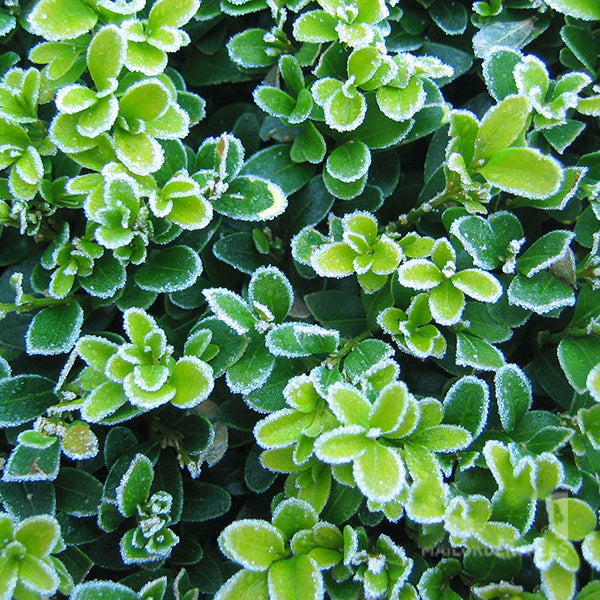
(32, 304)
(546, 338)
(417, 212)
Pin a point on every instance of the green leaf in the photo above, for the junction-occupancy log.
(587, 10)
(105, 57)
(379, 473)
(513, 394)
(349, 162)
(276, 165)
(498, 69)
(545, 251)
(239, 251)
(541, 293)
(446, 303)
(523, 172)
(501, 126)
(24, 397)
(434, 583)
(108, 276)
(251, 198)
(274, 101)
(252, 543)
(301, 339)
(108, 590)
(481, 285)
(203, 501)
(231, 309)
(578, 357)
(249, 49)
(169, 270)
(134, 487)
(245, 583)
(31, 463)
(315, 26)
(296, 578)
(467, 403)
(269, 287)
(582, 43)
(54, 330)
(335, 259)
(193, 381)
(252, 369)
(309, 145)
(62, 19)
(474, 352)
(77, 492)
(571, 518)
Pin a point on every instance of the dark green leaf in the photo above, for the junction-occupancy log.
(54, 330)
(23, 398)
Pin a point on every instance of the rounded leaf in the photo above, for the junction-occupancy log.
(252, 543)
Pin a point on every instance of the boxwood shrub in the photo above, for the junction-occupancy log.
(300, 299)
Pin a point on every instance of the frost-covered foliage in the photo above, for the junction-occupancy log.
(300, 300)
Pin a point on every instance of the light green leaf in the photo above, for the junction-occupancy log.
(345, 109)
(419, 274)
(139, 152)
(315, 26)
(446, 303)
(39, 534)
(400, 104)
(523, 172)
(587, 10)
(92, 590)
(294, 515)
(341, 445)
(379, 473)
(590, 548)
(389, 409)
(244, 583)
(62, 19)
(252, 543)
(335, 259)
(193, 381)
(349, 405)
(481, 285)
(38, 575)
(105, 57)
(501, 126)
(442, 438)
(296, 578)
(571, 518)
(558, 583)
(249, 49)
(282, 428)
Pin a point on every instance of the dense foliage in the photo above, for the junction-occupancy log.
(300, 299)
